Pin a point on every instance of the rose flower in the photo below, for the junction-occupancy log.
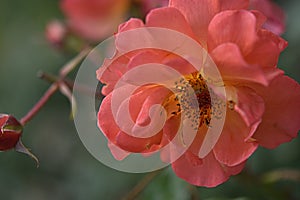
(260, 100)
(94, 19)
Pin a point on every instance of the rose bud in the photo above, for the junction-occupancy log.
(10, 132)
(55, 33)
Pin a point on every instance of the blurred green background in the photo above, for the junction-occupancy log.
(67, 170)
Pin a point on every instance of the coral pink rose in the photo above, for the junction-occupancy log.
(94, 19)
(261, 100)
(275, 15)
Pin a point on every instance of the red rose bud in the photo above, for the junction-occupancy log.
(10, 132)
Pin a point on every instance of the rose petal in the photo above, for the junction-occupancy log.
(156, 96)
(141, 102)
(162, 57)
(207, 172)
(117, 152)
(232, 147)
(112, 70)
(281, 120)
(131, 24)
(170, 132)
(135, 144)
(280, 42)
(163, 16)
(233, 67)
(272, 73)
(274, 14)
(260, 18)
(266, 49)
(249, 105)
(200, 12)
(237, 27)
(106, 121)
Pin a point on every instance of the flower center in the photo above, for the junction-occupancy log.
(198, 110)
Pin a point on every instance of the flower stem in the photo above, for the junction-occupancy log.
(141, 185)
(52, 89)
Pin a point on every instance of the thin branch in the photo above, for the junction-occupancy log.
(65, 70)
(73, 63)
(53, 88)
(81, 88)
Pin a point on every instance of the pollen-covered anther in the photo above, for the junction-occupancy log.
(231, 104)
